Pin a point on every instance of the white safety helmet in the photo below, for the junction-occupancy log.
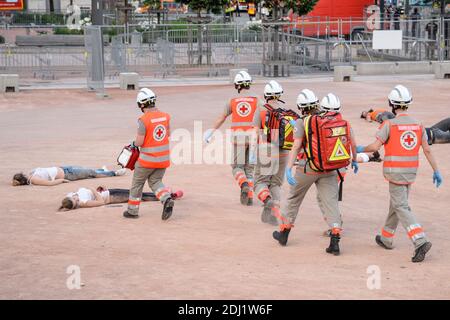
(307, 100)
(400, 97)
(330, 103)
(145, 98)
(273, 90)
(242, 78)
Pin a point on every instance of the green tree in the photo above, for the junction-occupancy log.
(154, 5)
(301, 7)
(215, 6)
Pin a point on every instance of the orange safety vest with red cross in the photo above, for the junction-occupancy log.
(155, 151)
(402, 149)
(242, 112)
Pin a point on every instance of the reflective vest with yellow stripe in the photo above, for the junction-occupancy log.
(242, 112)
(155, 151)
(402, 151)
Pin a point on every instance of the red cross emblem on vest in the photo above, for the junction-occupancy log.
(243, 109)
(159, 133)
(408, 140)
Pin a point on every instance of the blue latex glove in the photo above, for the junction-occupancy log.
(437, 178)
(360, 149)
(290, 178)
(133, 145)
(208, 135)
(292, 122)
(355, 167)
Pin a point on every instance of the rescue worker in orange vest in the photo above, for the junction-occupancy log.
(402, 138)
(270, 159)
(154, 158)
(242, 110)
(326, 182)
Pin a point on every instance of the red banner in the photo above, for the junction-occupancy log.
(11, 5)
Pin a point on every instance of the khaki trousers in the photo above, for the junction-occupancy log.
(399, 211)
(154, 178)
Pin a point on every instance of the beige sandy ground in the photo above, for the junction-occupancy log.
(213, 247)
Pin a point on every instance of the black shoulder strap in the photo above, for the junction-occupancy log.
(341, 184)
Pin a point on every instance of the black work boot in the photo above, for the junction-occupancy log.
(381, 243)
(167, 209)
(245, 189)
(250, 202)
(334, 245)
(126, 214)
(282, 236)
(421, 251)
(266, 215)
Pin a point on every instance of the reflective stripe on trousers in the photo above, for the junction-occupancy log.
(163, 194)
(415, 232)
(133, 203)
(240, 177)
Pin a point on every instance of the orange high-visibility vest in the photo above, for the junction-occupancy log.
(402, 149)
(242, 112)
(251, 9)
(155, 151)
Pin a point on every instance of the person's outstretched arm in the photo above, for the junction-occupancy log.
(217, 124)
(429, 155)
(437, 177)
(375, 146)
(294, 152)
(98, 202)
(41, 182)
(353, 144)
(219, 121)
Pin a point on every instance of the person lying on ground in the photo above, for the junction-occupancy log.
(90, 198)
(53, 176)
(378, 115)
(439, 133)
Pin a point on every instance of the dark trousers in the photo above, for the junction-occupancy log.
(439, 133)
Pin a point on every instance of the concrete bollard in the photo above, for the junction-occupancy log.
(9, 83)
(129, 81)
(343, 73)
(442, 70)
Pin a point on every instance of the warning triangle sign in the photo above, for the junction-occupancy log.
(339, 152)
